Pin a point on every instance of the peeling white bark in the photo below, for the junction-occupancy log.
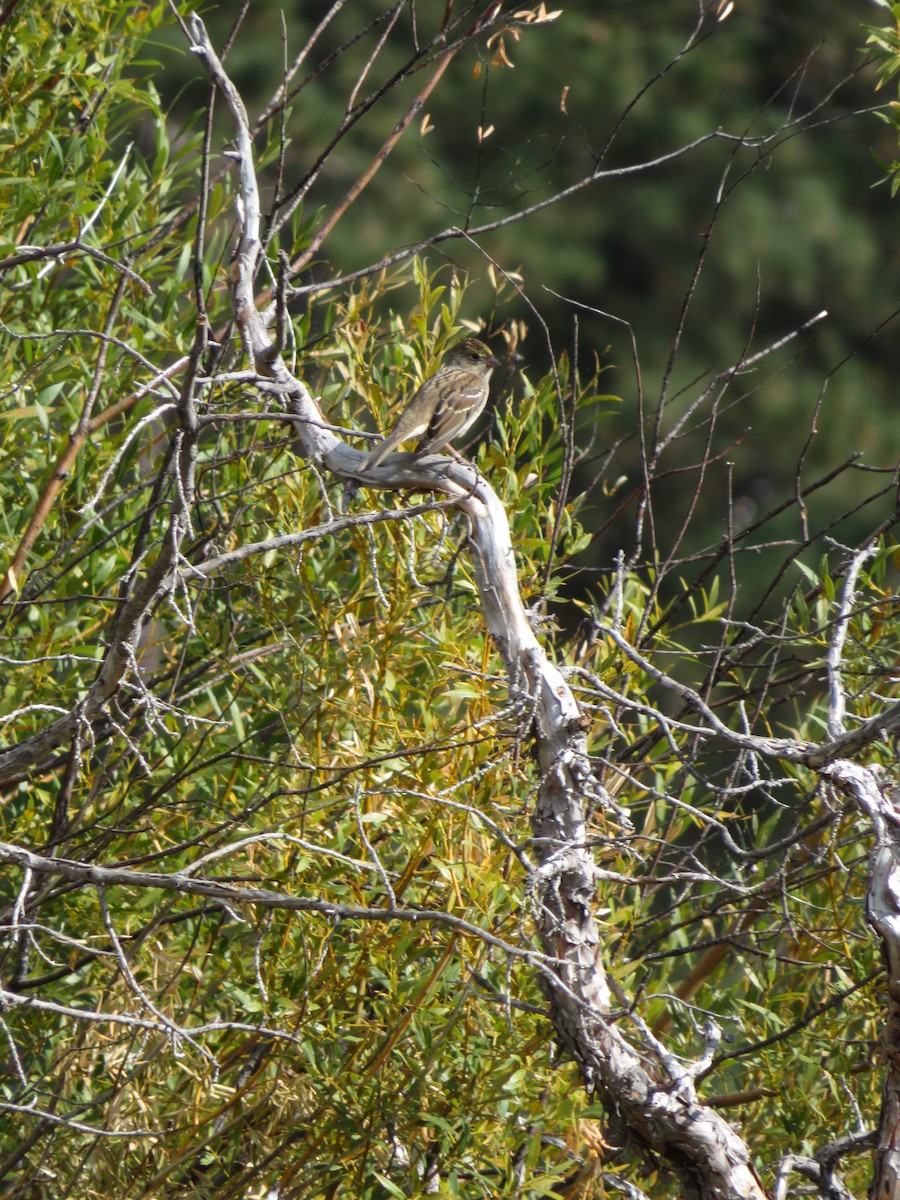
(883, 914)
(660, 1111)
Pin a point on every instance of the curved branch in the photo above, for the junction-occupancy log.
(658, 1107)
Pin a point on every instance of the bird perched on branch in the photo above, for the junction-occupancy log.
(445, 405)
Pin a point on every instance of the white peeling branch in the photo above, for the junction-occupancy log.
(655, 1109)
(837, 702)
(883, 914)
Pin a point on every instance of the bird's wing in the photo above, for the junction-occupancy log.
(409, 425)
(456, 414)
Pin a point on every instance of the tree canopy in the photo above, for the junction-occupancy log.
(519, 825)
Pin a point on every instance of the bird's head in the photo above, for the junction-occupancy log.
(472, 354)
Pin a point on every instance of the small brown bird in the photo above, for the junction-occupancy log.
(445, 405)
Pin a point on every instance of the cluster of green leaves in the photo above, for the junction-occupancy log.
(884, 41)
